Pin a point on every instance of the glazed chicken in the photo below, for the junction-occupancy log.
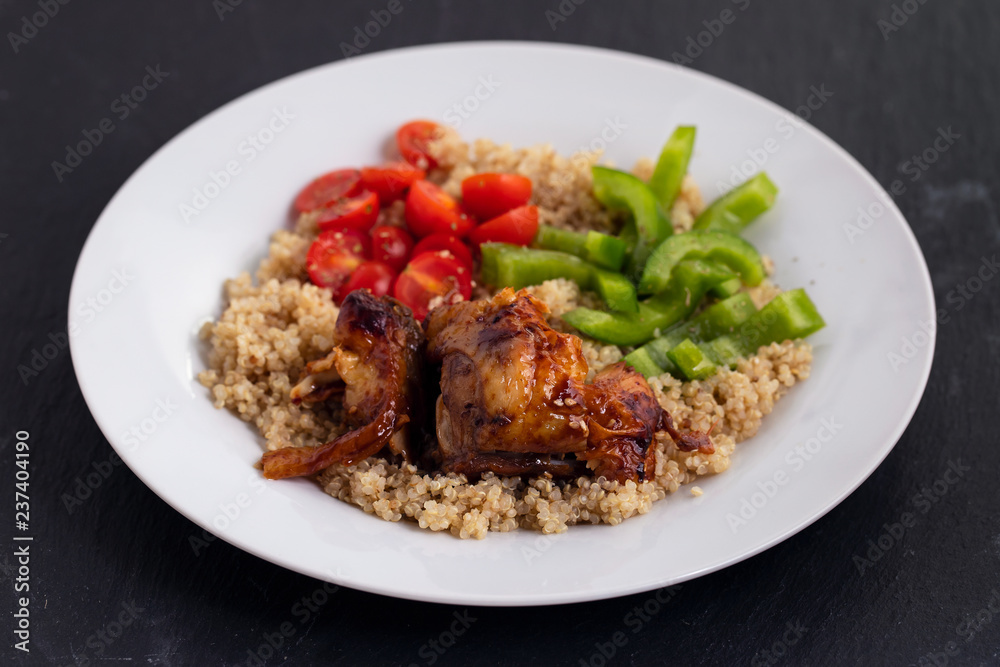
(376, 365)
(514, 398)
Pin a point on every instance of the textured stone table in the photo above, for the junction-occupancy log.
(115, 578)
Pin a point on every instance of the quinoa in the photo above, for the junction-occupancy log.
(270, 329)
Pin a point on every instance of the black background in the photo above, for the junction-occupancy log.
(124, 545)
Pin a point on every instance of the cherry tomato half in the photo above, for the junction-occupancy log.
(327, 189)
(430, 275)
(412, 139)
(333, 256)
(391, 181)
(488, 195)
(358, 212)
(430, 210)
(375, 276)
(517, 226)
(449, 242)
(391, 245)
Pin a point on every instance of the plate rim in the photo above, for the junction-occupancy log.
(925, 357)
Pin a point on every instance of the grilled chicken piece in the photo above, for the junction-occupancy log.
(514, 397)
(376, 364)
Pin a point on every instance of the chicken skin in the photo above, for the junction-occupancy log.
(376, 365)
(514, 398)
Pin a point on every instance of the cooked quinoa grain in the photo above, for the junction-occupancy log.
(269, 330)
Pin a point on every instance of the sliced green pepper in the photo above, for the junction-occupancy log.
(603, 250)
(563, 240)
(718, 319)
(740, 206)
(672, 166)
(506, 265)
(727, 289)
(648, 225)
(691, 361)
(788, 316)
(695, 277)
(616, 290)
(721, 247)
(607, 252)
(724, 350)
(643, 363)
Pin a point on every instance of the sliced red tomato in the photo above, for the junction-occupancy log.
(430, 275)
(449, 242)
(375, 276)
(327, 189)
(413, 138)
(333, 256)
(359, 212)
(392, 245)
(488, 195)
(517, 226)
(431, 210)
(391, 181)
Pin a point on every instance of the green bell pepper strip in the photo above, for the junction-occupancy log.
(721, 247)
(724, 350)
(642, 362)
(740, 206)
(603, 250)
(655, 313)
(717, 320)
(726, 289)
(563, 240)
(788, 316)
(691, 361)
(616, 290)
(505, 265)
(607, 252)
(648, 225)
(672, 166)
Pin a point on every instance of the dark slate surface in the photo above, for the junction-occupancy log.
(125, 553)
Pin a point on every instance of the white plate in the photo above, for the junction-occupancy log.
(140, 349)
